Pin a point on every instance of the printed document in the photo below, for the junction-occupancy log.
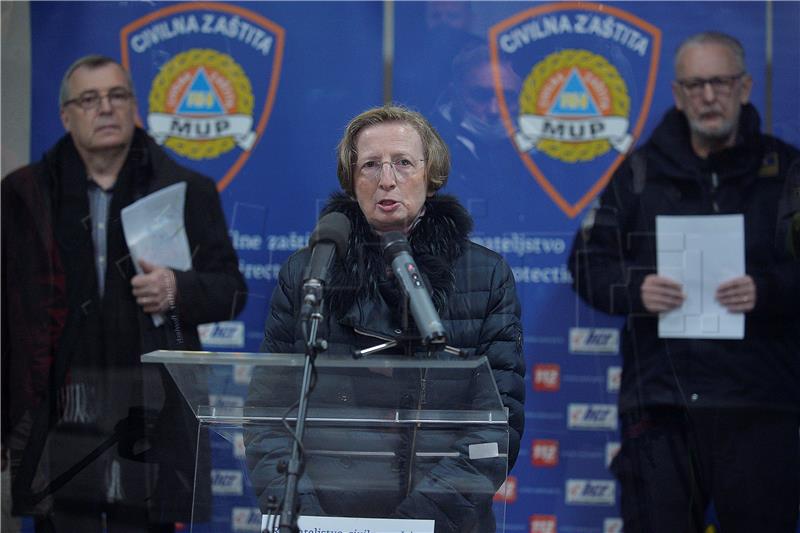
(154, 231)
(700, 252)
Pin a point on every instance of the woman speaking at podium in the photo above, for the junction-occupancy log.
(391, 165)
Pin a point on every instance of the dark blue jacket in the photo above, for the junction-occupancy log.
(474, 291)
(615, 250)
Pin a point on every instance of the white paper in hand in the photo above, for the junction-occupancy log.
(154, 231)
(700, 252)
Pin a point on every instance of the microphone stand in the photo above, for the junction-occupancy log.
(311, 311)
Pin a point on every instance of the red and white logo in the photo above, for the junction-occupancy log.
(612, 525)
(543, 523)
(507, 491)
(544, 453)
(546, 377)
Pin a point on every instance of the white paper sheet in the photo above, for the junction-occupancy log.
(700, 252)
(154, 231)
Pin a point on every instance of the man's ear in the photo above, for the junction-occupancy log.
(747, 86)
(677, 96)
(64, 118)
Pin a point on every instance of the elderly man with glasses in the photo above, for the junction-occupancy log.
(77, 317)
(702, 420)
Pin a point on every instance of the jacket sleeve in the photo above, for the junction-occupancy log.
(458, 491)
(214, 289)
(778, 284)
(279, 330)
(501, 343)
(602, 274)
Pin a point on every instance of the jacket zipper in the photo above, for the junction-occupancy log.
(714, 186)
(373, 335)
(420, 402)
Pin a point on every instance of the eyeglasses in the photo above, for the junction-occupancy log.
(89, 100)
(721, 85)
(403, 168)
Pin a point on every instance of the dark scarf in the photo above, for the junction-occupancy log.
(68, 185)
(671, 148)
(437, 240)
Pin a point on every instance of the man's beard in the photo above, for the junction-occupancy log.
(714, 134)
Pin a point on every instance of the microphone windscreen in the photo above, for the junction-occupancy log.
(394, 242)
(335, 228)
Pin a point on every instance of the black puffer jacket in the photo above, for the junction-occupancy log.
(616, 250)
(474, 292)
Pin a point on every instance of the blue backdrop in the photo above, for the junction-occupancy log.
(287, 76)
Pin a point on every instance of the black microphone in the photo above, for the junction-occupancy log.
(397, 253)
(329, 238)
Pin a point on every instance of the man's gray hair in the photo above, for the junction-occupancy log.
(714, 37)
(91, 61)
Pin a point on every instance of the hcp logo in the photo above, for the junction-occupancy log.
(592, 416)
(227, 482)
(589, 73)
(228, 334)
(246, 519)
(594, 340)
(210, 72)
(590, 492)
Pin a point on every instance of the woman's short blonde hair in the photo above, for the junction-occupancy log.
(436, 154)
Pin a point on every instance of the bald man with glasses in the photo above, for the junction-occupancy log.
(702, 420)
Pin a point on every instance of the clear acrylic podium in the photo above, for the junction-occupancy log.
(385, 437)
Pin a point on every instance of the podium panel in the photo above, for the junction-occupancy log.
(385, 437)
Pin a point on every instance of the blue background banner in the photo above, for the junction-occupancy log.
(286, 78)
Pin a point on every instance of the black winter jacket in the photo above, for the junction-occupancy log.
(615, 250)
(473, 289)
(61, 340)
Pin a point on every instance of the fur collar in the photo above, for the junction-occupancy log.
(437, 240)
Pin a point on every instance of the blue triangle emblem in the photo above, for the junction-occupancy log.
(574, 100)
(200, 97)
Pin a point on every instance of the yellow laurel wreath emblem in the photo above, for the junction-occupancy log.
(571, 152)
(223, 63)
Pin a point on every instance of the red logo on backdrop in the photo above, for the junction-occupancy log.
(543, 523)
(546, 377)
(544, 453)
(507, 491)
(589, 72)
(206, 75)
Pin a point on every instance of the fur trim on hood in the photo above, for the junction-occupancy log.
(437, 240)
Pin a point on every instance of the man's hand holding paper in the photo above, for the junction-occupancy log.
(155, 289)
